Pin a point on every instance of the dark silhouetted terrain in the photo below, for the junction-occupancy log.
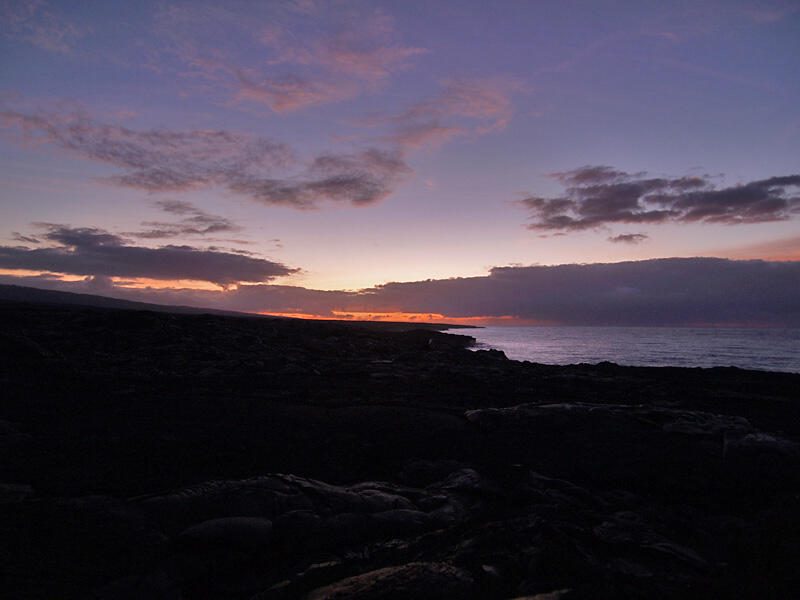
(162, 455)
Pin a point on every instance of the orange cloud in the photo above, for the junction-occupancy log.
(781, 249)
(466, 106)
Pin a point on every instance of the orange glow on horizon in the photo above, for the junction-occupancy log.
(406, 317)
(159, 284)
(783, 249)
(55, 276)
(121, 282)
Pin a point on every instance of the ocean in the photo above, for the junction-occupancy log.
(763, 349)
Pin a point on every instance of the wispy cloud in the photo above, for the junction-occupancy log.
(466, 106)
(364, 46)
(629, 238)
(483, 99)
(599, 196)
(38, 22)
(762, 15)
(194, 222)
(361, 179)
(157, 159)
(94, 252)
(420, 135)
(163, 160)
(289, 92)
(297, 58)
(25, 239)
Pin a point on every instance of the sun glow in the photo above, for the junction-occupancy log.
(131, 283)
(42, 275)
(159, 284)
(409, 317)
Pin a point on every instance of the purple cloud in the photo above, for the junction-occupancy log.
(349, 52)
(467, 106)
(163, 160)
(361, 179)
(289, 92)
(599, 196)
(420, 135)
(487, 99)
(93, 252)
(194, 222)
(629, 238)
(158, 159)
(36, 22)
(26, 239)
(364, 46)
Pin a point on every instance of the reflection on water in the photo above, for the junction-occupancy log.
(766, 349)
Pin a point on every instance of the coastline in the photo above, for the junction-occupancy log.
(763, 349)
(203, 456)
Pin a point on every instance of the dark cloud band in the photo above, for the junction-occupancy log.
(94, 252)
(599, 196)
(629, 238)
(668, 292)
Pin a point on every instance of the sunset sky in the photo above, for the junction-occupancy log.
(476, 162)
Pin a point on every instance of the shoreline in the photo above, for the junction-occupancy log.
(201, 456)
(765, 350)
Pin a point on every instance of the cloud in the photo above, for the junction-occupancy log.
(97, 253)
(302, 58)
(340, 65)
(764, 15)
(668, 292)
(163, 160)
(421, 135)
(194, 222)
(361, 45)
(598, 196)
(651, 292)
(629, 238)
(361, 179)
(17, 236)
(291, 92)
(466, 106)
(36, 22)
(476, 98)
(157, 159)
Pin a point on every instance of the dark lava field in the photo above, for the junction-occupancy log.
(164, 456)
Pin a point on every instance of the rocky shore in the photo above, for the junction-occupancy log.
(165, 456)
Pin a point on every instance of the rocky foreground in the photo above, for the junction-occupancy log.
(164, 456)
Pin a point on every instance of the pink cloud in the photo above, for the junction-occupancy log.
(421, 135)
(35, 21)
(363, 47)
(371, 63)
(352, 52)
(476, 98)
(467, 106)
(767, 16)
(290, 92)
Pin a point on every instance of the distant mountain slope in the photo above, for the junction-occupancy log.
(18, 293)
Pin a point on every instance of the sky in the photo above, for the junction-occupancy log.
(512, 162)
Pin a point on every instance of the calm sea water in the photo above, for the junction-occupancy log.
(765, 349)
